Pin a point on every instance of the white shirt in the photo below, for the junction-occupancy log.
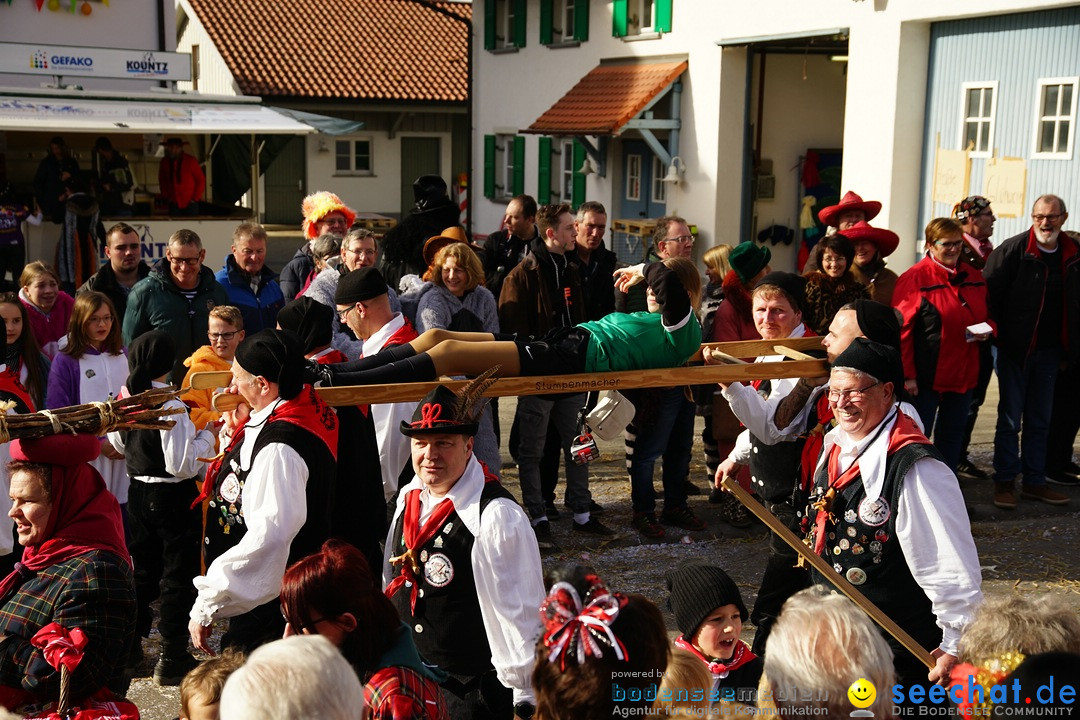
(181, 445)
(275, 508)
(506, 569)
(393, 446)
(931, 526)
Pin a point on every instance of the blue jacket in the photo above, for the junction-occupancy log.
(259, 309)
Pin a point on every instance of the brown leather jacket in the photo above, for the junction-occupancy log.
(542, 293)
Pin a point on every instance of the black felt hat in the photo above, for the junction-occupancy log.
(877, 360)
(150, 356)
(792, 284)
(878, 322)
(276, 355)
(696, 589)
(359, 285)
(310, 320)
(440, 413)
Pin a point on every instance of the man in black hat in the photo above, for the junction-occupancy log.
(463, 567)
(884, 512)
(281, 458)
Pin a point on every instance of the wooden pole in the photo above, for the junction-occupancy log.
(823, 567)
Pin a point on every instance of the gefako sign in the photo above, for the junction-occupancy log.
(23, 59)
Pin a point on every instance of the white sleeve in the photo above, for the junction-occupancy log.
(935, 535)
(182, 444)
(741, 452)
(510, 588)
(394, 448)
(756, 413)
(275, 507)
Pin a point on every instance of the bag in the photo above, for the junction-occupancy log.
(611, 415)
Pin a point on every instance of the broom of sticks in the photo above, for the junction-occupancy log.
(135, 412)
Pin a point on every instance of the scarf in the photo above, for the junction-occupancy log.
(739, 657)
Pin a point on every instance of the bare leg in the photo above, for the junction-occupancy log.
(469, 357)
(430, 338)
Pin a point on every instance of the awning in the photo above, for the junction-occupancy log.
(607, 98)
(184, 114)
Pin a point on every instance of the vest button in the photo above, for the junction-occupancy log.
(421, 592)
(418, 628)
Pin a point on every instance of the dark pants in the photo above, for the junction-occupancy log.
(1064, 420)
(1026, 395)
(944, 414)
(978, 395)
(164, 548)
(669, 433)
(781, 580)
(254, 628)
(480, 698)
(12, 259)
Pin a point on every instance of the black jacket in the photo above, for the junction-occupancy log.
(1016, 282)
(597, 281)
(502, 253)
(104, 281)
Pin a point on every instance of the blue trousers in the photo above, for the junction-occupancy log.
(668, 434)
(1026, 397)
(950, 410)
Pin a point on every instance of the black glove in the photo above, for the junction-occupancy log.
(317, 375)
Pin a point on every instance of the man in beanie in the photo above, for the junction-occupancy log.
(163, 523)
(364, 305)
(463, 567)
(884, 511)
(709, 612)
(281, 457)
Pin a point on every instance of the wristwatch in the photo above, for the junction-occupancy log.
(524, 710)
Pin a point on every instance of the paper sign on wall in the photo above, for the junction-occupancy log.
(952, 170)
(1004, 184)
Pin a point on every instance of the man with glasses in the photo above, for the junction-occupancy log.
(884, 512)
(324, 213)
(251, 285)
(176, 297)
(115, 278)
(359, 249)
(1033, 287)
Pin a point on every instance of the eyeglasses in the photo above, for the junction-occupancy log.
(949, 245)
(853, 395)
(311, 623)
(343, 315)
(1051, 218)
(107, 319)
(685, 239)
(226, 336)
(190, 262)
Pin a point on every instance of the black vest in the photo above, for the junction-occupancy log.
(225, 516)
(862, 545)
(447, 626)
(774, 469)
(143, 454)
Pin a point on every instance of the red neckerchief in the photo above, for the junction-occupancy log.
(815, 440)
(739, 657)
(306, 410)
(11, 385)
(416, 537)
(904, 432)
(85, 517)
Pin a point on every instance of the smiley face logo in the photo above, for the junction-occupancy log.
(862, 693)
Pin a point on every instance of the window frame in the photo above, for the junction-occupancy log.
(991, 120)
(566, 170)
(1040, 86)
(353, 171)
(631, 178)
(658, 191)
(504, 166)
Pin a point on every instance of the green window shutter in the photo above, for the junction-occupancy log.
(581, 20)
(547, 9)
(519, 22)
(577, 195)
(543, 174)
(489, 166)
(619, 15)
(662, 16)
(489, 24)
(519, 166)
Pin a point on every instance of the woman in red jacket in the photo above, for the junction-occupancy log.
(940, 297)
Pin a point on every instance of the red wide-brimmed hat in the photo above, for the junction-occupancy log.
(886, 240)
(830, 215)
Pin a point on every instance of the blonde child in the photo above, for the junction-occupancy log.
(48, 307)
(225, 330)
(200, 692)
(685, 689)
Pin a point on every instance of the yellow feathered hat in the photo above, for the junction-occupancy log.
(317, 205)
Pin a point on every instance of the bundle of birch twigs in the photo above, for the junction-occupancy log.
(136, 412)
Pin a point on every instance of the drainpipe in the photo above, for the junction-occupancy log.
(676, 114)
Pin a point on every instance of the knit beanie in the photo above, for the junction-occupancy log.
(696, 590)
(747, 260)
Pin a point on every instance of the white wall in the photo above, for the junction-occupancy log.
(214, 75)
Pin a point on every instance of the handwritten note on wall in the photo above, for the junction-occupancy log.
(952, 170)
(1004, 184)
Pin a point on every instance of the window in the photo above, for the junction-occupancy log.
(504, 166)
(1055, 119)
(352, 157)
(633, 177)
(641, 17)
(659, 187)
(566, 175)
(557, 177)
(977, 124)
(504, 24)
(564, 22)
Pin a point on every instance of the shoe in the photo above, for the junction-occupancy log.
(594, 527)
(716, 496)
(692, 489)
(1041, 492)
(682, 517)
(1004, 497)
(552, 511)
(970, 470)
(645, 523)
(543, 535)
(734, 513)
(171, 669)
(1062, 477)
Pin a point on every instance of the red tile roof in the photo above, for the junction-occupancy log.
(356, 49)
(607, 98)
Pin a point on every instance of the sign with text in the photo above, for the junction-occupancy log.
(70, 61)
(1004, 183)
(952, 170)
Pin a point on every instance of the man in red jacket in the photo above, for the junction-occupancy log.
(181, 179)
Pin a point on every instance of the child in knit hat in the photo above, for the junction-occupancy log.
(709, 612)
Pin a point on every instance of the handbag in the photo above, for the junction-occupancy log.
(611, 415)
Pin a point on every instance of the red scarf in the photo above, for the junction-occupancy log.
(85, 517)
(904, 432)
(11, 385)
(739, 657)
